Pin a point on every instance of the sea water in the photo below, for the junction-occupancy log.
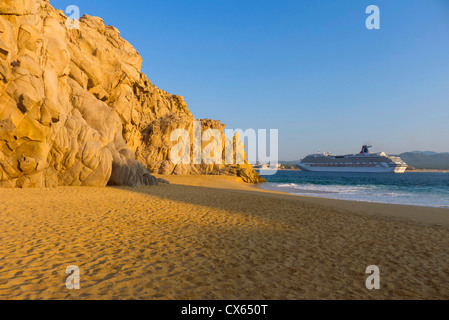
(429, 189)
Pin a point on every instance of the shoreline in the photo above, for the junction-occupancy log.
(428, 170)
(272, 186)
(421, 214)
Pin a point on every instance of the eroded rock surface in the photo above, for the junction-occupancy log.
(76, 110)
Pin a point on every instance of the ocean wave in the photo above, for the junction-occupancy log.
(367, 193)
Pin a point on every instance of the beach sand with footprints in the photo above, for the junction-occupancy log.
(212, 237)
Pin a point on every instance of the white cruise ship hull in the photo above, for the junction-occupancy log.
(306, 167)
(361, 162)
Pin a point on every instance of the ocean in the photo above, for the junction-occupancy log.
(429, 189)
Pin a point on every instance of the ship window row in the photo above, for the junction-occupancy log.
(353, 160)
(344, 165)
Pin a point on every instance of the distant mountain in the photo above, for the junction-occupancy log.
(426, 160)
(428, 153)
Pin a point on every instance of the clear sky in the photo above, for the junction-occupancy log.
(309, 68)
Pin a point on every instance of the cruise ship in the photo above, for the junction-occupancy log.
(361, 162)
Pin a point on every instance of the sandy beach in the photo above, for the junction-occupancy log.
(428, 170)
(212, 237)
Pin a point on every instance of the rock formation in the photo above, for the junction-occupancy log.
(76, 110)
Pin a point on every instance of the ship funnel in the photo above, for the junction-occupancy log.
(365, 149)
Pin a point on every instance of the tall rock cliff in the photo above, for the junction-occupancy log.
(76, 110)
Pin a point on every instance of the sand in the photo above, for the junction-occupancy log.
(215, 238)
(429, 170)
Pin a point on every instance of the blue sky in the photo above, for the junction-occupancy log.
(309, 68)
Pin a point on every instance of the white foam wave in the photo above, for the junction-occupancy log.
(366, 193)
